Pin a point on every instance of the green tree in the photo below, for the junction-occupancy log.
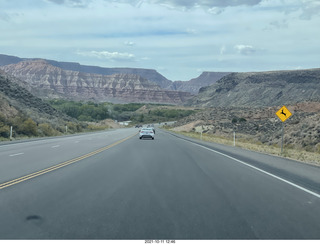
(84, 117)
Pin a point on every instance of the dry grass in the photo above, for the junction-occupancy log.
(250, 144)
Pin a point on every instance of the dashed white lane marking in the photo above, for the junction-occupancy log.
(55, 146)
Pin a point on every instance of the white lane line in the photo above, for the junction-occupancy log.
(17, 154)
(262, 171)
(55, 146)
(76, 142)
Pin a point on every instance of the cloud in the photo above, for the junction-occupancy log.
(215, 10)
(245, 49)
(223, 50)
(306, 9)
(205, 3)
(310, 8)
(180, 35)
(71, 3)
(189, 4)
(191, 31)
(113, 56)
(57, 1)
(283, 24)
(4, 17)
(127, 43)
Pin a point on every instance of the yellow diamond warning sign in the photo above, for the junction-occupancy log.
(283, 113)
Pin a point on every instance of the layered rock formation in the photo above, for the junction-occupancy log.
(260, 89)
(149, 74)
(192, 86)
(48, 81)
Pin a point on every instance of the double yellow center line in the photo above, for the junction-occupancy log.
(58, 166)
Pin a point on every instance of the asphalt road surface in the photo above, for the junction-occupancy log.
(111, 185)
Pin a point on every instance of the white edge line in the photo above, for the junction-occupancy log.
(265, 172)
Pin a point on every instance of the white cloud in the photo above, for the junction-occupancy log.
(127, 43)
(72, 3)
(57, 1)
(113, 56)
(205, 3)
(215, 10)
(222, 50)
(245, 49)
(185, 34)
(191, 31)
(213, 6)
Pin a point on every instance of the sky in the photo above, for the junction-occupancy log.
(178, 38)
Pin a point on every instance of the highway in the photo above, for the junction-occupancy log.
(111, 185)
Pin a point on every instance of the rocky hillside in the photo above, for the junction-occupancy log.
(260, 125)
(48, 81)
(17, 100)
(193, 85)
(261, 89)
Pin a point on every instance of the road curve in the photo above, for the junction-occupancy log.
(120, 187)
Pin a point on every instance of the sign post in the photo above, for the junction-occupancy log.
(282, 137)
(283, 114)
(10, 133)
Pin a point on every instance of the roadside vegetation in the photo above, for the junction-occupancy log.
(92, 112)
(26, 127)
(259, 129)
(134, 112)
(84, 117)
(245, 142)
(27, 123)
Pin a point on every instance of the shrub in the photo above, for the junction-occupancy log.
(4, 130)
(29, 127)
(46, 129)
(94, 127)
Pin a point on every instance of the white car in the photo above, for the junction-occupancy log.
(146, 133)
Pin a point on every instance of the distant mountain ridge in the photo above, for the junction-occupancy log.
(260, 89)
(149, 74)
(248, 89)
(192, 86)
(48, 81)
